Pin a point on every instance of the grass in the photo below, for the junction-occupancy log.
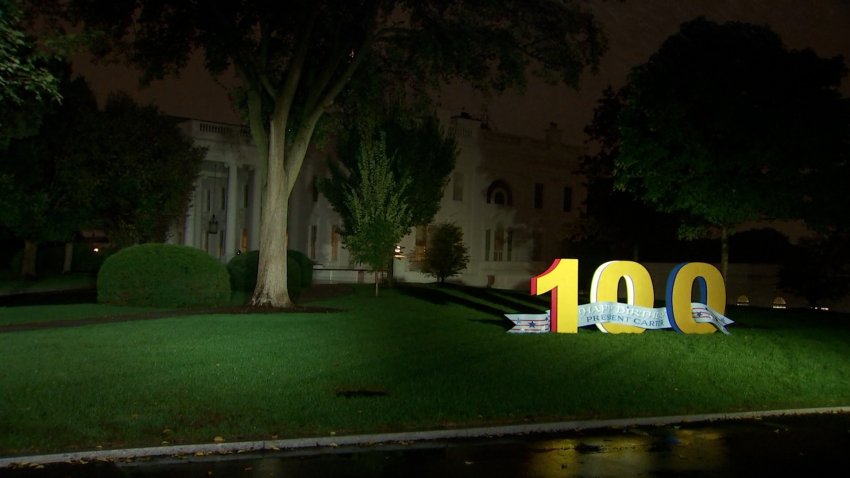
(31, 314)
(414, 358)
(76, 280)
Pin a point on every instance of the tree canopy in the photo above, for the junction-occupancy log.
(447, 255)
(724, 125)
(147, 169)
(127, 170)
(47, 181)
(296, 58)
(377, 215)
(26, 81)
(417, 147)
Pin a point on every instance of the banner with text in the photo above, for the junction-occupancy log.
(618, 313)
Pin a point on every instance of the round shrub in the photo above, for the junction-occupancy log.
(305, 265)
(163, 275)
(243, 272)
(293, 277)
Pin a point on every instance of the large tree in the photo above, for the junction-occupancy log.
(146, 171)
(47, 180)
(724, 125)
(295, 58)
(127, 169)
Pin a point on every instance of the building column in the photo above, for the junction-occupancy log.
(231, 239)
(256, 207)
(189, 223)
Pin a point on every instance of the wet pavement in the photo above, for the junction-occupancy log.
(811, 445)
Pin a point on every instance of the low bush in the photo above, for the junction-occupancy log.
(243, 272)
(163, 275)
(305, 266)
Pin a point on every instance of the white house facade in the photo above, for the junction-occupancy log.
(223, 214)
(510, 195)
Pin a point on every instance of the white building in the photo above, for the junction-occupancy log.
(510, 195)
(223, 215)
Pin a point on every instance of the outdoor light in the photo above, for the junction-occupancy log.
(212, 226)
(397, 252)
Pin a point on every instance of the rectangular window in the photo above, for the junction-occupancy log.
(209, 200)
(335, 243)
(568, 199)
(487, 245)
(536, 246)
(510, 243)
(499, 245)
(223, 198)
(245, 196)
(243, 239)
(457, 187)
(421, 242)
(313, 231)
(538, 195)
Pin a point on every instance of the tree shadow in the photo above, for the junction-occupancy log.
(494, 303)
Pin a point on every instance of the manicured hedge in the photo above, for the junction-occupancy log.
(243, 272)
(163, 275)
(305, 266)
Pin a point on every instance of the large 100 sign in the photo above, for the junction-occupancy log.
(705, 316)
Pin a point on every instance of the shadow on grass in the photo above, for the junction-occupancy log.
(494, 303)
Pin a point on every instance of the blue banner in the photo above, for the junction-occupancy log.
(618, 313)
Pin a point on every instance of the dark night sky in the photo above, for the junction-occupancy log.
(635, 29)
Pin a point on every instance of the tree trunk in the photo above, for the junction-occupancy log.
(376, 282)
(69, 257)
(724, 252)
(271, 290)
(391, 271)
(28, 259)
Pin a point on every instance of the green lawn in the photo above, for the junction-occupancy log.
(77, 280)
(413, 358)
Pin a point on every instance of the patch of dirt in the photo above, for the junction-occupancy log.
(314, 293)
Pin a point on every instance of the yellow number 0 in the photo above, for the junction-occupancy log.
(680, 283)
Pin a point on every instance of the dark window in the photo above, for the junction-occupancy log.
(457, 187)
(538, 195)
(487, 245)
(536, 246)
(499, 245)
(568, 199)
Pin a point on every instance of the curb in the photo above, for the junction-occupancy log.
(324, 444)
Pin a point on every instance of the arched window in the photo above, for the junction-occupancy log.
(500, 193)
